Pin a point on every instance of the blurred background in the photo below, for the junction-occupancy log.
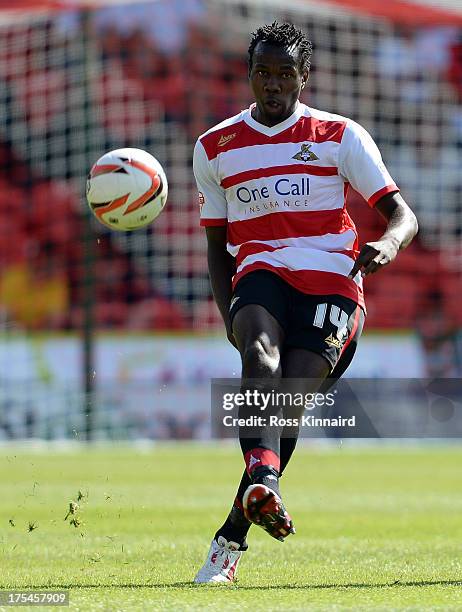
(111, 335)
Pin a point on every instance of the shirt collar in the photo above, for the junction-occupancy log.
(279, 127)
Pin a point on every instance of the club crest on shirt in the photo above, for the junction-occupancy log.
(334, 342)
(305, 154)
(201, 200)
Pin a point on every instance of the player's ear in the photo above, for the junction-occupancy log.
(305, 77)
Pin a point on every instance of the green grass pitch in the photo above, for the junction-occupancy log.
(377, 528)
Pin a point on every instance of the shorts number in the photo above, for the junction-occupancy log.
(337, 317)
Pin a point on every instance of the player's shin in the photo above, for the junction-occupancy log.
(260, 444)
(287, 446)
(236, 526)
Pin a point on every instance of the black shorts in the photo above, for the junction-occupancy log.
(329, 325)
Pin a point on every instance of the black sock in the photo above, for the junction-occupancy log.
(235, 528)
(267, 476)
(287, 448)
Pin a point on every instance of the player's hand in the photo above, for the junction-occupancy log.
(374, 256)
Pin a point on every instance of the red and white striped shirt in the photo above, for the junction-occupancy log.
(281, 191)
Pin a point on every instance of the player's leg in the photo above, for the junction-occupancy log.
(343, 320)
(260, 305)
(260, 297)
(259, 337)
(307, 370)
(303, 372)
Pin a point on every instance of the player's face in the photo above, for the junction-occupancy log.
(276, 80)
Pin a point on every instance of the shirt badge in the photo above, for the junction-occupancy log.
(305, 154)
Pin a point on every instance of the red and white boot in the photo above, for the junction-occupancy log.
(221, 563)
(264, 508)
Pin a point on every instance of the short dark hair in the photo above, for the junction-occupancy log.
(283, 35)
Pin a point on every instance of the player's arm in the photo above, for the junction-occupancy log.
(214, 218)
(221, 270)
(401, 228)
(360, 162)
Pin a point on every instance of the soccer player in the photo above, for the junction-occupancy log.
(283, 257)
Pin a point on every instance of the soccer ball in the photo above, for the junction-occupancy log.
(126, 189)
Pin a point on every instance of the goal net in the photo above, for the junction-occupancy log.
(154, 75)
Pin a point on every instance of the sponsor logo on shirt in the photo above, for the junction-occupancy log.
(285, 187)
(201, 200)
(305, 155)
(225, 139)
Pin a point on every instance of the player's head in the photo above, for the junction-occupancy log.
(284, 35)
(279, 64)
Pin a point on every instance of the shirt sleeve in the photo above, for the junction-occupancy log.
(212, 199)
(360, 163)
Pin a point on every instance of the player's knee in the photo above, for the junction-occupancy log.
(260, 360)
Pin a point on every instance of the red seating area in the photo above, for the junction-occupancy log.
(404, 293)
(42, 273)
(455, 68)
(194, 86)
